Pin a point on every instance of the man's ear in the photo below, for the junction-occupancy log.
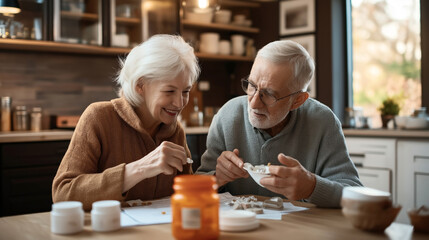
(299, 100)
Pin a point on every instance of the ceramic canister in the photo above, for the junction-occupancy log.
(106, 215)
(67, 217)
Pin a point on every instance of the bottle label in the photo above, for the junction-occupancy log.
(191, 218)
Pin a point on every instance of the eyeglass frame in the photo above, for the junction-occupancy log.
(264, 92)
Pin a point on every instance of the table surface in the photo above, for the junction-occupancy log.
(315, 223)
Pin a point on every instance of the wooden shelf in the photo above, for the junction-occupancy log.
(219, 57)
(79, 16)
(219, 26)
(231, 3)
(48, 46)
(127, 21)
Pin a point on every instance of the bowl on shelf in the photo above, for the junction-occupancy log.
(222, 16)
(199, 17)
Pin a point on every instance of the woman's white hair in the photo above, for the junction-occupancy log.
(161, 57)
(287, 51)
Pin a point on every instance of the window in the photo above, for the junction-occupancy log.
(386, 55)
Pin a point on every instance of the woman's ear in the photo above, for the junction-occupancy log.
(299, 100)
(139, 87)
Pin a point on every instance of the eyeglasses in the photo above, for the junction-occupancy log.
(266, 97)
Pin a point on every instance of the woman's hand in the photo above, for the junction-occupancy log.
(166, 158)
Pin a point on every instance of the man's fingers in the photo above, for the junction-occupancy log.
(233, 157)
(231, 167)
(288, 161)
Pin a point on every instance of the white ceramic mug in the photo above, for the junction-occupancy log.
(237, 44)
(225, 47)
(209, 43)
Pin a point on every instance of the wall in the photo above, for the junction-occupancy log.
(62, 84)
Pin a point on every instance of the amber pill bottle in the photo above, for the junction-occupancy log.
(195, 207)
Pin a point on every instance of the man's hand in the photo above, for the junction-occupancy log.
(229, 167)
(292, 180)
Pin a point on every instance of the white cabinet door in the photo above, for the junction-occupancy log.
(376, 162)
(413, 176)
(375, 178)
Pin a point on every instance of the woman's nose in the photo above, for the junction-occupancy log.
(179, 101)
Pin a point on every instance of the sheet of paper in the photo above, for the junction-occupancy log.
(159, 212)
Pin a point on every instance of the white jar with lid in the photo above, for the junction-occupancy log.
(67, 217)
(106, 216)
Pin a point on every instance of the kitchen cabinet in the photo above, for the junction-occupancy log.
(108, 27)
(191, 29)
(133, 21)
(29, 24)
(27, 171)
(78, 21)
(413, 176)
(375, 160)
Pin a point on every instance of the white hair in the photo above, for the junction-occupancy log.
(287, 51)
(162, 57)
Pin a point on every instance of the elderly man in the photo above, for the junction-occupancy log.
(278, 123)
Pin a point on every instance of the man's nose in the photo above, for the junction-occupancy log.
(256, 100)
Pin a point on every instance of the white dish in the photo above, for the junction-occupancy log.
(405, 122)
(365, 194)
(237, 221)
(257, 172)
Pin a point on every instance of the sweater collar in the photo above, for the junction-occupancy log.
(129, 115)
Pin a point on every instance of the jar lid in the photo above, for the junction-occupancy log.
(67, 207)
(21, 108)
(194, 182)
(237, 221)
(106, 206)
(37, 109)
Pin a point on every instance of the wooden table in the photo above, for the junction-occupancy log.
(315, 223)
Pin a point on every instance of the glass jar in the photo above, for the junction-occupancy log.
(195, 207)
(36, 119)
(6, 114)
(20, 119)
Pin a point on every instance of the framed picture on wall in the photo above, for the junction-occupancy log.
(296, 17)
(308, 42)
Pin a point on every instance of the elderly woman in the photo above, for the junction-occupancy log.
(132, 147)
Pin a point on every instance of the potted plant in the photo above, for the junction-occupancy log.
(388, 109)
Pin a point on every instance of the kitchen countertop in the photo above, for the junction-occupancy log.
(395, 133)
(58, 135)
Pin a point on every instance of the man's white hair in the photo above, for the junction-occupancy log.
(290, 52)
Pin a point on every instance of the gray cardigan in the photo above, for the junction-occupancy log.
(313, 136)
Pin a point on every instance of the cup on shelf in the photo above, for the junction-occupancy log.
(225, 47)
(237, 44)
(209, 43)
(199, 15)
(222, 16)
(239, 19)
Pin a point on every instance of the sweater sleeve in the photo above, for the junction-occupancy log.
(215, 146)
(334, 168)
(78, 177)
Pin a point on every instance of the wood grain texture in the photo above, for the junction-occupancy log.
(315, 223)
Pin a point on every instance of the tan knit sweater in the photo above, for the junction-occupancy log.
(109, 135)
